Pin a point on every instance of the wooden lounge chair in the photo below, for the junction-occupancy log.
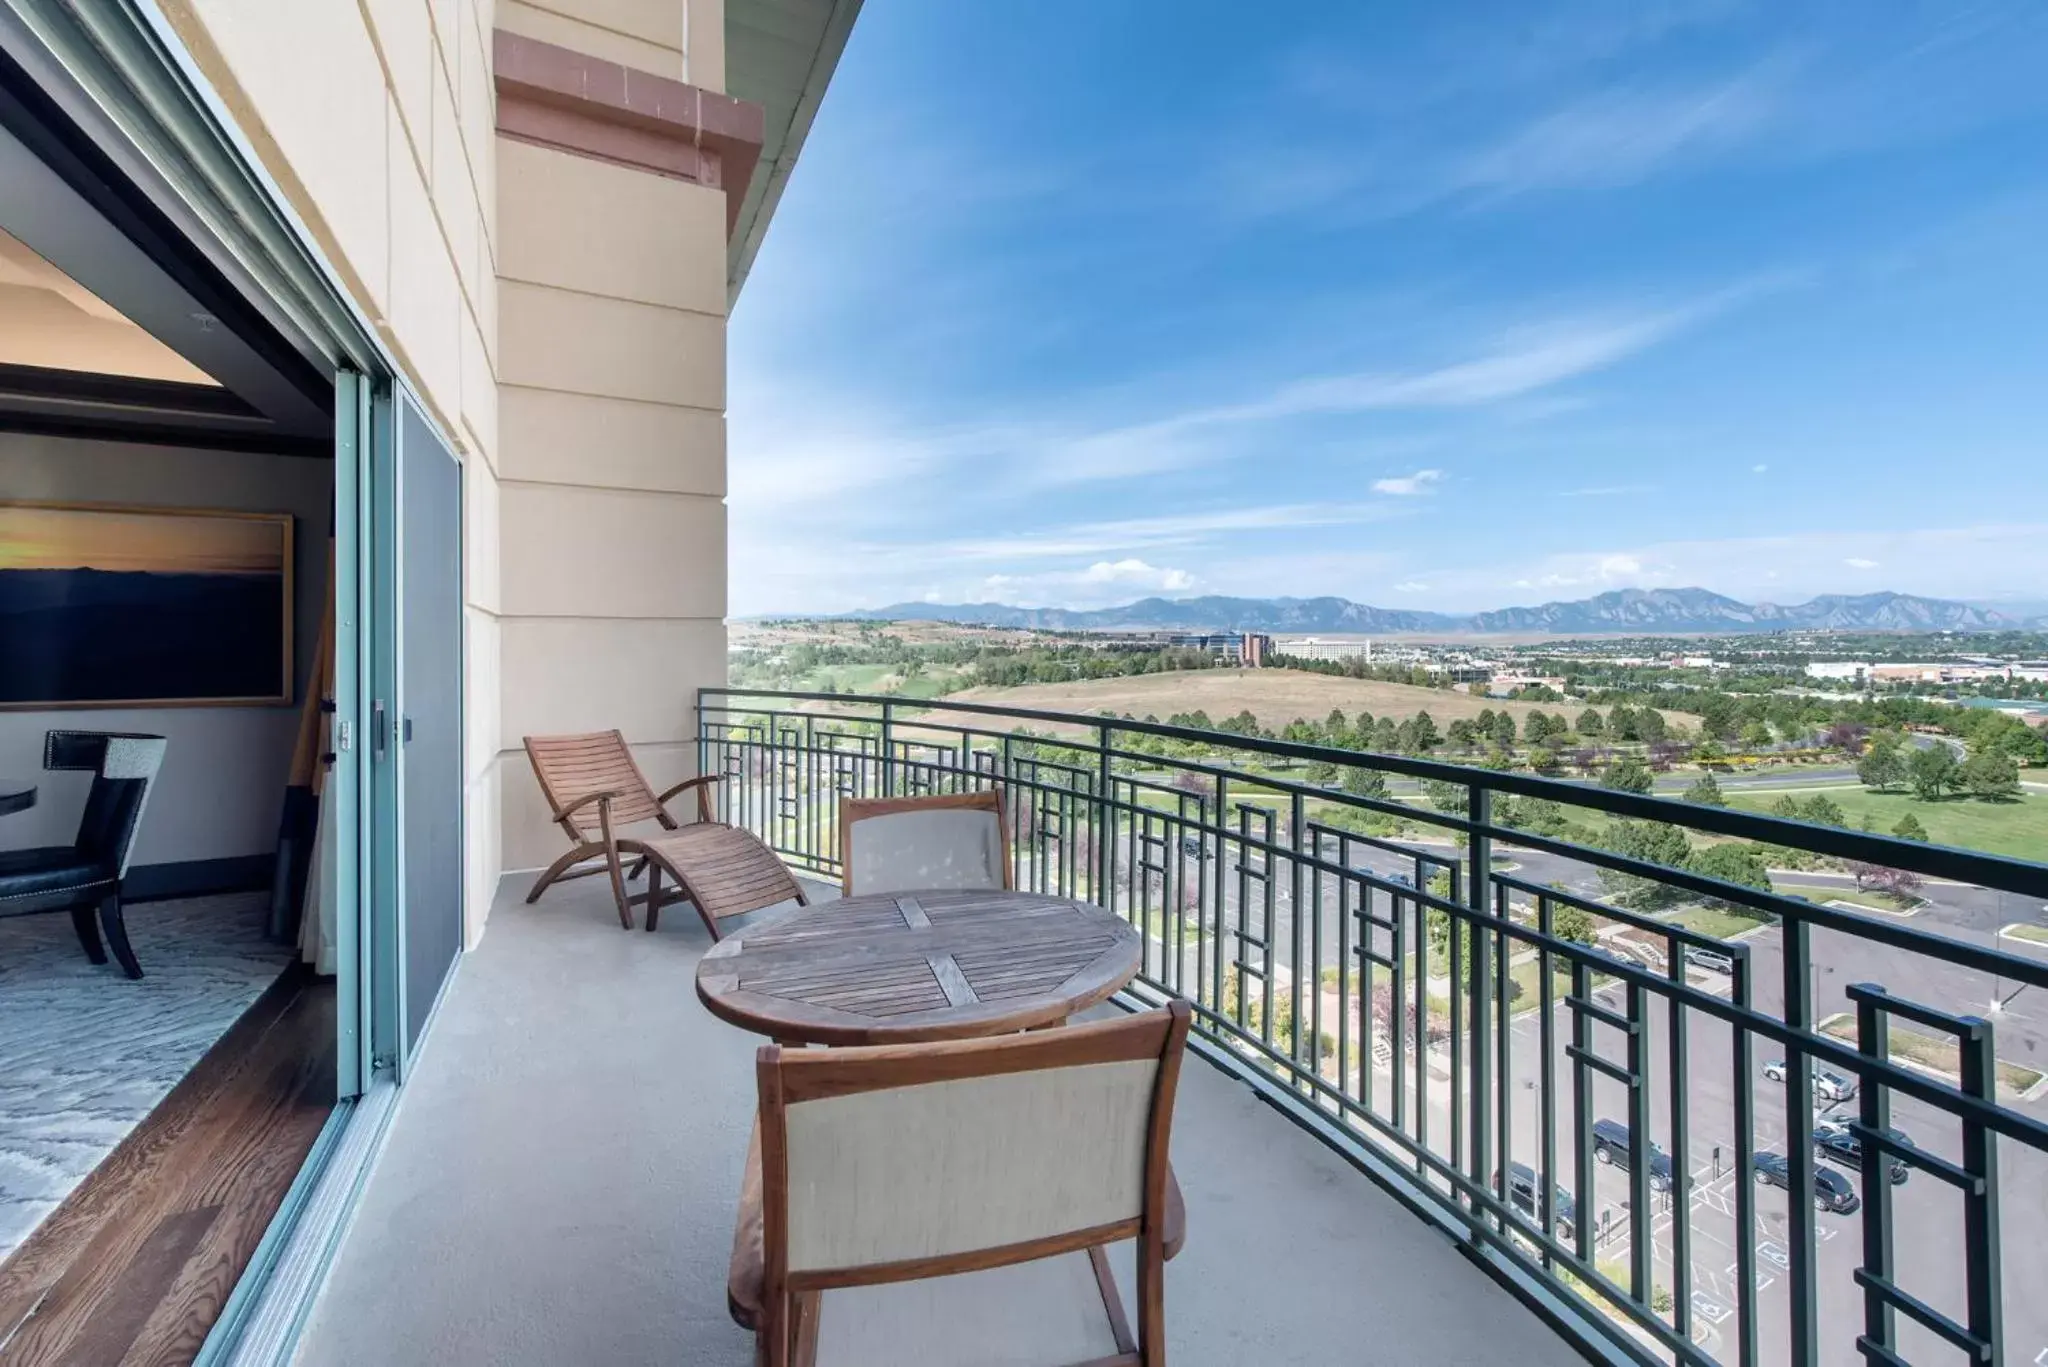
(911, 1203)
(905, 844)
(593, 787)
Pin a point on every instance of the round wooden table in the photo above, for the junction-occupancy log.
(898, 967)
(16, 795)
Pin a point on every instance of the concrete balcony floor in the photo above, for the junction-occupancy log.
(559, 1183)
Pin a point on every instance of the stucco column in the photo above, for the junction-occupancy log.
(616, 188)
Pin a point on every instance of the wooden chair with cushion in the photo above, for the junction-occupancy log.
(593, 787)
(906, 844)
(911, 1203)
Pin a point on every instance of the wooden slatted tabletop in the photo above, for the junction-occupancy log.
(898, 967)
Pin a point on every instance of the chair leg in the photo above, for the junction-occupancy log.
(619, 894)
(557, 869)
(653, 895)
(116, 928)
(804, 1353)
(88, 934)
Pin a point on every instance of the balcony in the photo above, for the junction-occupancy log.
(1457, 1045)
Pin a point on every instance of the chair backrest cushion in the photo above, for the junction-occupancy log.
(571, 768)
(936, 843)
(124, 769)
(943, 1168)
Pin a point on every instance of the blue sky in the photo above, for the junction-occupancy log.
(1447, 306)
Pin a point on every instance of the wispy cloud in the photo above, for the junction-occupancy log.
(1521, 362)
(1622, 135)
(1408, 486)
(1857, 562)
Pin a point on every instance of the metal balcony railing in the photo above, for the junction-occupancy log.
(1599, 1098)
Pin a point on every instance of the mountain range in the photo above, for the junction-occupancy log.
(1622, 612)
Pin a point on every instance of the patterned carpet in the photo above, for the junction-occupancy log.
(85, 1054)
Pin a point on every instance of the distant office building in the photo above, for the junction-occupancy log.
(1836, 669)
(1317, 648)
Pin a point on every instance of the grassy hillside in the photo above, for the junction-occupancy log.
(1274, 696)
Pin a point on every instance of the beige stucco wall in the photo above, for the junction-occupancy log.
(683, 40)
(613, 290)
(378, 120)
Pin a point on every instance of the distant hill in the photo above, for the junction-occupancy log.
(1623, 612)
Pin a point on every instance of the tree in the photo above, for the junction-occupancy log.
(1823, 810)
(1909, 828)
(1590, 724)
(1386, 735)
(1706, 791)
(1365, 782)
(1628, 775)
(1652, 842)
(1427, 737)
(1933, 772)
(1542, 759)
(1503, 731)
(1737, 862)
(1756, 736)
(1621, 723)
(1719, 715)
(1883, 765)
(1574, 924)
(1445, 796)
(1650, 726)
(1461, 733)
(1337, 728)
(1991, 776)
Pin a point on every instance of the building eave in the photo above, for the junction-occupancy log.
(780, 54)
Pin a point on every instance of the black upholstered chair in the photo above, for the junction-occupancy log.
(85, 876)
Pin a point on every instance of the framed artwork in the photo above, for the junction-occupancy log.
(143, 607)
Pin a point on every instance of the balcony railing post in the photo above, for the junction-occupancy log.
(1798, 984)
(1478, 894)
(888, 749)
(1873, 1104)
(1979, 1061)
(1105, 820)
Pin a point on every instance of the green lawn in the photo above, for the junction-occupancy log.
(2019, 829)
(1821, 892)
(2038, 934)
(1718, 922)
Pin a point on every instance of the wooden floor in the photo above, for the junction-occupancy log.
(135, 1266)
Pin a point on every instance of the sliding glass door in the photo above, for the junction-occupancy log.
(415, 819)
(429, 712)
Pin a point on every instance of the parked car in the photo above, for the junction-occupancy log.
(1195, 847)
(1826, 1085)
(1522, 1189)
(1839, 1144)
(1610, 1145)
(1831, 1190)
(1713, 960)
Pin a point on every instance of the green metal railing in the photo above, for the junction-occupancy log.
(1413, 1002)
